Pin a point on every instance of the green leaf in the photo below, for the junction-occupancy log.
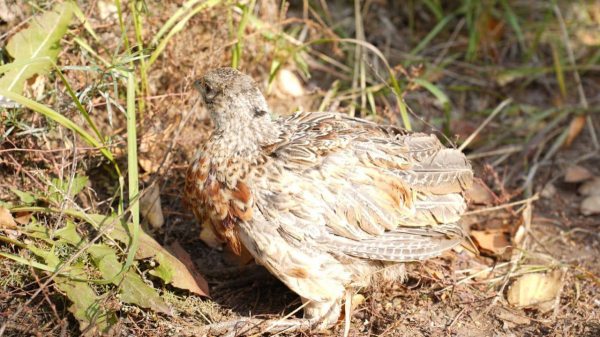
(29, 262)
(133, 289)
(69, 234)
(59, 188)
(172, 270)
(26, 198)
(41, 38)
(88, 308)
(37, 231)
(51, 259)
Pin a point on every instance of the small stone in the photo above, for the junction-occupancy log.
(548, 192)
(591, 187)
(590, 205)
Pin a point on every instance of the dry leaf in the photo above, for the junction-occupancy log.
(289, 83)
(37, 84)
(506, 315)
(150, 207)
(591, 187)
(23, 218)
(491, 28)
(478, 194)
(196, 285)
(357, 300)
(494, 241)
(535, 291)
(577, 174)
(590, 205)
(434, 273)
(575, 128)
(6, 219)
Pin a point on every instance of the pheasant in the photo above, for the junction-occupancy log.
(326, 202)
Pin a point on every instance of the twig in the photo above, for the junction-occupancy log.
(485, 122)
(245, 325)
(533, 198)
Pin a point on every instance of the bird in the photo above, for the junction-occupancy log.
(328, 203)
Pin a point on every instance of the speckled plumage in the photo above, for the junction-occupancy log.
(323, 200)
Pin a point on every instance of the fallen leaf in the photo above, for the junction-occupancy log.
(196, 284)
(434, 273)
(357, 300)
(535, 291)
(591, 187)
(576, 174)
(575, 128)
(478, 194)
(590, 205)
(289, 83)
(23, 218)
(150, 207)
(492, 240)
(506, 315)
(6, 219)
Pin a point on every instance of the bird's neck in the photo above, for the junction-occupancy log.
(244, 140)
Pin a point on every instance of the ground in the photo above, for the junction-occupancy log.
(521, 77)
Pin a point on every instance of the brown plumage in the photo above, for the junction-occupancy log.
(324, 201)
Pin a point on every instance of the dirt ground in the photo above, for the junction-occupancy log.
(524, 218)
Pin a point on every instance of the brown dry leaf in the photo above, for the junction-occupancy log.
(575, 128)
(535, 291)
(492, 29)
(197, 284)
(591, 187)
(494, 241)
(357, 300)
(590, 205)
(588, 37)
(150, 207)
(289, 83)
(434, 273)
(23, 218)
(478, 194)
(506, 315)
(521, 227)
(577, 174)
(6, 219)
(37, 84)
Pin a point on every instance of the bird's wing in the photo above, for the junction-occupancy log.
(364, 190)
